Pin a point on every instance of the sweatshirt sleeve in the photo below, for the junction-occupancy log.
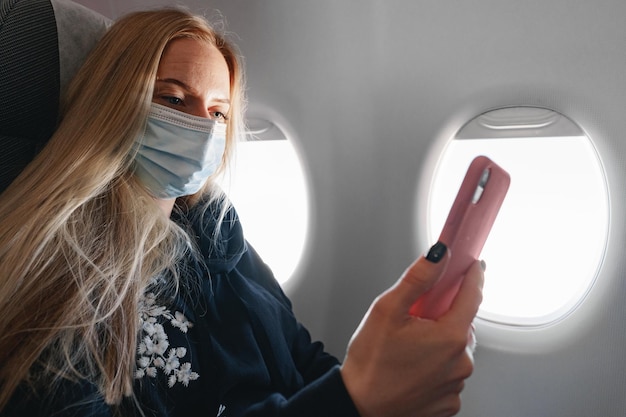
(304, 379)
(326, 396)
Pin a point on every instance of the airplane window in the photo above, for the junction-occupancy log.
(548, 242)
(267, 187)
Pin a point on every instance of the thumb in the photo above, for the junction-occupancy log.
(420, 277)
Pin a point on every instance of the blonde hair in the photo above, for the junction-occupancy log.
(80, 238)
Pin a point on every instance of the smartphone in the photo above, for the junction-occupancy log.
(465, 231)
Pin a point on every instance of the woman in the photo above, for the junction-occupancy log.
(127, 286)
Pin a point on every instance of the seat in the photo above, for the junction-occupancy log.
(42, 45)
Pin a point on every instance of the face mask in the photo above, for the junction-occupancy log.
(178, 152)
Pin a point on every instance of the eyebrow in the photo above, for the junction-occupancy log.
(188, 88)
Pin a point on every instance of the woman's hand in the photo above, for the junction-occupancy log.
(398, 365)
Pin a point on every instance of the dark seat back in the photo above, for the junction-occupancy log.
(42, 43)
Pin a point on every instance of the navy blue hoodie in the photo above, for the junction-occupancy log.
(228, 344)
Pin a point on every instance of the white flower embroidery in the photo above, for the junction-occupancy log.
(154, 347)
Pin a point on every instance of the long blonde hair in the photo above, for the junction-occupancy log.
(80, 238)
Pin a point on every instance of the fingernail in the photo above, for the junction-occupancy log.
(436, 252)
(483, 265)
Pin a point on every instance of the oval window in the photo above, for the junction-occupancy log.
(548, 242)
(266, 184)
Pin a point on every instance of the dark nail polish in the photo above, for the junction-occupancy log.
(436, 252)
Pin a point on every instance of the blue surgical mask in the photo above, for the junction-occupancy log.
(178, 152)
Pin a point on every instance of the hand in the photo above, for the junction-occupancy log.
(399, 365)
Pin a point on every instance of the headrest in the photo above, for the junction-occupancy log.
(42, 45)
(78, 30)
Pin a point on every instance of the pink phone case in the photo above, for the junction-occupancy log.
(466, 229)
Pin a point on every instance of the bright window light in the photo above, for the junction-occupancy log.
(548, 242)
(267, 187)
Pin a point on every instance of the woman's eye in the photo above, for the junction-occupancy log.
(218, 115)
(173, 100)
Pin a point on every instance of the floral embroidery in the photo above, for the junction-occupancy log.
(154, 347)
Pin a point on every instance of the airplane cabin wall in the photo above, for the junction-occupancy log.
(371, 91)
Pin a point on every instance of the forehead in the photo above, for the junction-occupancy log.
(196, 63)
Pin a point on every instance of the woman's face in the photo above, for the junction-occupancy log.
(193, 78)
